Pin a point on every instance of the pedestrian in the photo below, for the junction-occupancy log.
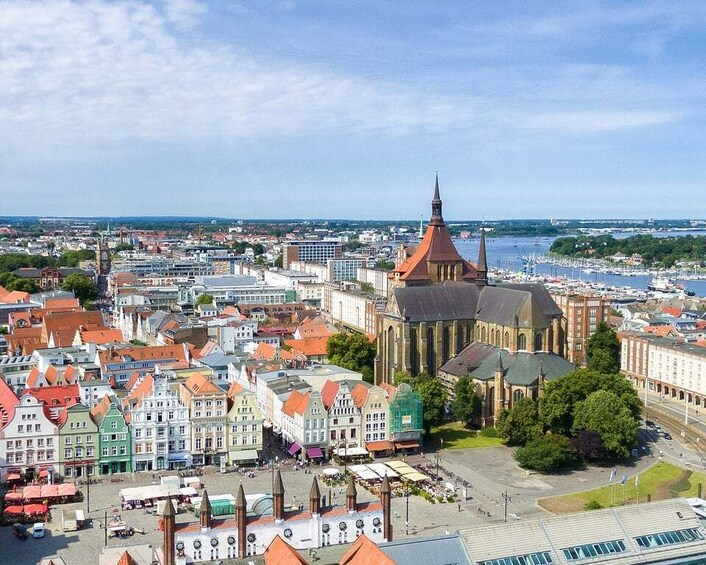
(459, 506)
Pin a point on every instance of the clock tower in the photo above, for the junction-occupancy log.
(103, 258)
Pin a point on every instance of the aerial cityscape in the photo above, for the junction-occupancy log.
(349, 283)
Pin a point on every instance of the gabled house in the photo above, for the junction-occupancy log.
(305, 425)
(343, 415)
(115, 441)
(244, 425)
(78, 441)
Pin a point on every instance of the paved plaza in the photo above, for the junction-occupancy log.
(491, 472)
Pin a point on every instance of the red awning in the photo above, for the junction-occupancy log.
(66, 489)
(378, 445)
(408, 444)
(32, 491)
(13, 510)
(13, 496)
(32, 509)
(43, 473)
(13, 477)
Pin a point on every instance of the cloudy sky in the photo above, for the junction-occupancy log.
(328, 109)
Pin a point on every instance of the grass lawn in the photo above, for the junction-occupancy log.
(662, 481)
(456, 436)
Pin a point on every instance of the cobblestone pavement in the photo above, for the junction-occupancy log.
(489, 471)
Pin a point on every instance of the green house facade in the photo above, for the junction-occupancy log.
(115, 455)
(78, 441)
(406, 418)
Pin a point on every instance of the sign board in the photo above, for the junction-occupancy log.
(407, 420)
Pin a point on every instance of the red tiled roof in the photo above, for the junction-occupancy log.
(15, 297)
(8, 401)
(126, 559)
(309, 346)
(329, 392)
(365, 552)
(198, 384)
(279, 552)
(101, 337)
(360, 394)
(234, 389)
(296, 403)
(143, 353)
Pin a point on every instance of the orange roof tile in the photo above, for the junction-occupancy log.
(365, 552)
(8, 401)
(279, 552)
(296, 403)
(16, 297)
(234, 389)
(126, 559)
(101, 337)
(360, 394)
(329, 392)
(309, 346)
(198, 384)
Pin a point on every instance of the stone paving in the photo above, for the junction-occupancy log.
(490, 471)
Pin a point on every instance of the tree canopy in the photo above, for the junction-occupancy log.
(352, 351)
(521, 423)
(83, 288)
(204, 298)
(434, 397)
(547, 454)
(467, 404)
(603, 412)
(655, 251)
(603, 350)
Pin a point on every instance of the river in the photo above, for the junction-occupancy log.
(508, 253)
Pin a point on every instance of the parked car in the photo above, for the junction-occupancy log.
(649, 423)
(19, 531)
(38, 530)
(667, 435)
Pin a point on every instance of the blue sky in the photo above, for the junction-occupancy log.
(281, 109)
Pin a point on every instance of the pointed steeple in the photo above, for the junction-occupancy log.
(278, 498)
(437, 218)
(482, 266)
(240, 501)
(314, 497)
(279, 485)
(499, 365)
(351, 494)
(205, 512)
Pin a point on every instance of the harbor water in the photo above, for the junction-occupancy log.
(514, 253)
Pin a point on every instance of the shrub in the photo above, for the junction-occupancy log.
(592, 505)
(490, 432)
(547, 454)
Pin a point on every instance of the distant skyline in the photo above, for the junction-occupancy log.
(313, 109)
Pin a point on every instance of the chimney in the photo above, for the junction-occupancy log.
(314, 498)
(278, 499)
(241, 519)
(351, 495)
(205, 512)
(385, 497)
(168, 519)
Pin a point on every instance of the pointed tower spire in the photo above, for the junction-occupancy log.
(385, 498)
(168, 523)
(314, 497)
(482, 268)
(351, 494)
(241, 519)
(278, 498)
(205, 512)
(437, 218)
(499, 365)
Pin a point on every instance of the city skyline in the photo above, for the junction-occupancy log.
(331, 110)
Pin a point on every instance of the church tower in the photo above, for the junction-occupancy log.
(103, 258)
(436, 259)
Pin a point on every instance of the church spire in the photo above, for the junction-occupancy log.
(436, 216)
(482, 267)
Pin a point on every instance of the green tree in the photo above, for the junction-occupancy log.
(521, 423)
(434, 396)
(83, 288)
(561, 396)
(279, 261)
(467, 403)
(384, 265)
(547, 454)
(605, 413)
(400, 377)
(603, 350)
(204, 298)
(351, 351)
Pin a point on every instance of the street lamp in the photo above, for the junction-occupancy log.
(406, 519)
(506, 499)
(272, 470)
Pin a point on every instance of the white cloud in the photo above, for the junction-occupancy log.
(599, 120)
(96, 72)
